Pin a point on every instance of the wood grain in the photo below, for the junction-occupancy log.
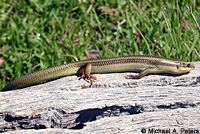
(113, 104)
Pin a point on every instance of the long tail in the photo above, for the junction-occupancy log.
(27, 80)
(41, 77)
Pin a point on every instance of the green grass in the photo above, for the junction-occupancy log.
(56, 32)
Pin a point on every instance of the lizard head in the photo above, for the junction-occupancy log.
(184, 67)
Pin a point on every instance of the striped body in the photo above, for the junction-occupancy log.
(120, 64)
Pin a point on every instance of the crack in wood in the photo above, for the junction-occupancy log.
(58, 118)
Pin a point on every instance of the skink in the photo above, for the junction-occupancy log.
(138, 63)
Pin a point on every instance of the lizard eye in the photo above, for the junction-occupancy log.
(188, 65)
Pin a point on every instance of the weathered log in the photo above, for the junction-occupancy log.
(112, 104)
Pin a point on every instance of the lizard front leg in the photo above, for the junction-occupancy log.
(142, 74)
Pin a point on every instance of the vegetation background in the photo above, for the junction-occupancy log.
(53, 32)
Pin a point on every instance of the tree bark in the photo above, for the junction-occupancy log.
(112, 104)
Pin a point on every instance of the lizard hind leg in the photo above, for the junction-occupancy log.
(86, 73)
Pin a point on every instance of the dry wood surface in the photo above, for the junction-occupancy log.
(112, 105)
